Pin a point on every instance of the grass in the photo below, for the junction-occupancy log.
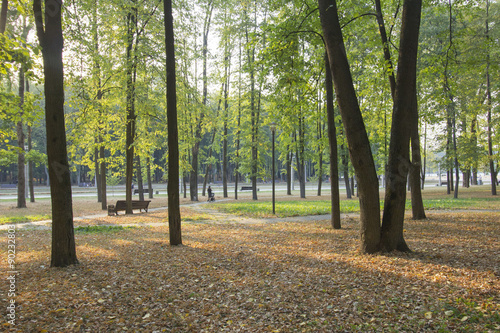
(101, 228)
(22, 219)
(304, 208)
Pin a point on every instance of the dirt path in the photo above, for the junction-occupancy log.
(217, 217)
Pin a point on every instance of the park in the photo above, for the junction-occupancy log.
(241, 268)
(249, 166)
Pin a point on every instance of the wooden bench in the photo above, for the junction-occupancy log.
(144, 190)
(246, 188)
(122, 205)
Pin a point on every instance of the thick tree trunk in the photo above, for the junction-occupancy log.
(404, 106)
(174, 214)
(414, 183)
(332, 138)
(51, 40)
(3, 15)
(359, 145)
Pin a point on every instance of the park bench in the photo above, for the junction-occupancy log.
(144, 190)
(246, 188)
(122, 205)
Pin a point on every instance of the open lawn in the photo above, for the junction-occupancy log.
(239, 274)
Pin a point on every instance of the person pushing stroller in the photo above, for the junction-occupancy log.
(211, 196)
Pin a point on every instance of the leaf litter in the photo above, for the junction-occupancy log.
(267, 277)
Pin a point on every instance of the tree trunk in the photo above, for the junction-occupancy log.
(97, 173)
(403, 112)
(238, 127)
(301, 158)
(150, 184)
(174, 214)
(289, 173)
(130, 107)
(3, 15)
(359, 145)
(21, 167)
(30, 164)
(417, 204)
(489, 104)
(104, 202)
(332, 138)
(140, 185)
(227, 73)
(51, 41)
(345, 167)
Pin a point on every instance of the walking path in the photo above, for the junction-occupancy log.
(201, 207)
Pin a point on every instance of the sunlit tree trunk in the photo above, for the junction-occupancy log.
(51, 41)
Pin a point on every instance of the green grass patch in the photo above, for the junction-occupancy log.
(23, 219)
(101, 229)
(304, 208)
(459, 203)
(285, 208)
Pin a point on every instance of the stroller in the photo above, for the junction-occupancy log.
(211, 195)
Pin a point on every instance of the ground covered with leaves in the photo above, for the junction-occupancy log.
(248, 276)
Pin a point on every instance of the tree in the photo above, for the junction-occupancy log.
(402, 118)
(49, 32)
(493, 172)
(3, 15)
(332, 136)
(174, 215)
(359, 145)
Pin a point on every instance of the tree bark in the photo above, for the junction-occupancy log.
(174, 214)
(51, 41)
(359, 145)
(140, 185)
(104, 200)
(97, 172)
(332, 138)
(493, 173)
(30, 168)
(130, 105)
(150, 184)
(3, 15)
(404, 106)
(417, 204)
(21, 167)
(289, 173)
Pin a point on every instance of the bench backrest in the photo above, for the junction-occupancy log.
(136, 204)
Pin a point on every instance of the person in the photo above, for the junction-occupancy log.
(210, 195)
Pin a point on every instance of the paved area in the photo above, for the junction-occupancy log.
(202, 207)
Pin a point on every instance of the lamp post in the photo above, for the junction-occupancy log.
(273, 130)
